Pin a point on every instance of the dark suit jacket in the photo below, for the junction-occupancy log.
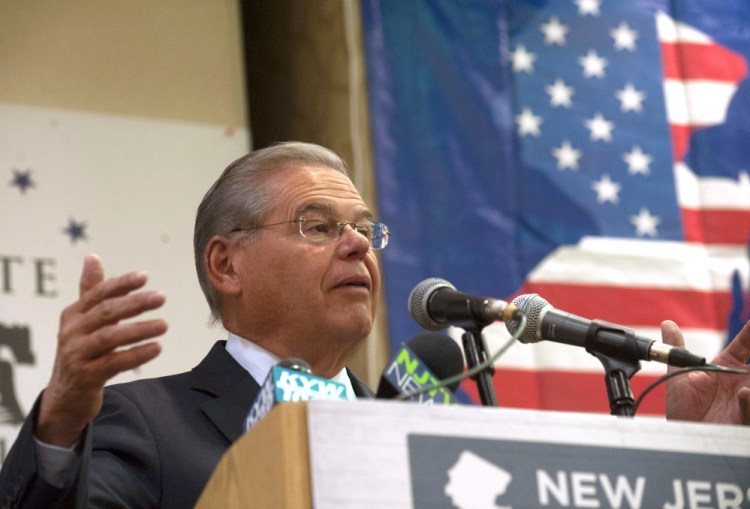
(154, 444)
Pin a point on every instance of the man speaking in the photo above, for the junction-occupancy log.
(285, 253)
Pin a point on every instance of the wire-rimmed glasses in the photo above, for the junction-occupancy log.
(320, 228)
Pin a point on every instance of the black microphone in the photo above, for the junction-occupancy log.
(422, 362)
(435, 304)
(543, 321)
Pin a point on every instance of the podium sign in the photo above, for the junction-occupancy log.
(376, 454)
(372, 454)
(454, 472)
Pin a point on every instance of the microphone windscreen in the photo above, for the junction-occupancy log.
(435, 351)
(532, 306)
(386, 390)
(419, 300)
(441, 354)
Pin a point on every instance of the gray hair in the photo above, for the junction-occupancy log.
(239, 198)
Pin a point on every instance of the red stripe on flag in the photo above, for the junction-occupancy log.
(638, 307)
(689, 61)
(680, 140)
(564, 391)
(716, 226)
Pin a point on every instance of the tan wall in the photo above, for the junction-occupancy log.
(170, 59)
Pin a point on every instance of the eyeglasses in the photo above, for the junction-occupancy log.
(322, 229)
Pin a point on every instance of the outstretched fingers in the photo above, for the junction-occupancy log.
(99, 329)
(106, 366)
(672, 335)
(108, 289)
(115, 337)
(738, 349)
(103, 320)
(92, 273)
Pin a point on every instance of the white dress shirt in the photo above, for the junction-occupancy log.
(258, 362)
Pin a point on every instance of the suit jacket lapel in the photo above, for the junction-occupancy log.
(235, 390)
(233, 387)
(360, 388)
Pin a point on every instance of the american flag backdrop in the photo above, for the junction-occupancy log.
(595, 152)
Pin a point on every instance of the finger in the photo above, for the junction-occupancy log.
(671, 335)
(119, 361)
(115, 309)
(113, 287)
(739, 348)
(114, 337)
(744, 401)
(70, 388)
(92, 273)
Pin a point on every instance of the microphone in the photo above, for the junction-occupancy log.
(422, 363)
(543, 321)
(435, 304)
(291, 380)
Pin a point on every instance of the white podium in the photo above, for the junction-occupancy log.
(375, 454)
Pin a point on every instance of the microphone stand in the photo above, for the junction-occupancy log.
(475, 355)
(620, 364)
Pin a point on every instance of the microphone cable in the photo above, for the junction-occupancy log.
(682, 371)
(489, 362)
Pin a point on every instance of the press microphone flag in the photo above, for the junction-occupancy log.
(544, 322)
(291, 380)
(421, 363)
(436, 304)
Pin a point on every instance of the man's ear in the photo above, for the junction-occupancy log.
(219, 262)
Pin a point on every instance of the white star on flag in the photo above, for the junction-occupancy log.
(554, 32)
(624, 37)
(630, 98)
(600, 127)
(567, 156)
(528, 123)
(588, 7)
(560, 94)
(523, 61)
(593, 65)
(606, 190)
(645, 223)
(638, 161)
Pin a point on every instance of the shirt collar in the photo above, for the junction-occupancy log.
(258, 362)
